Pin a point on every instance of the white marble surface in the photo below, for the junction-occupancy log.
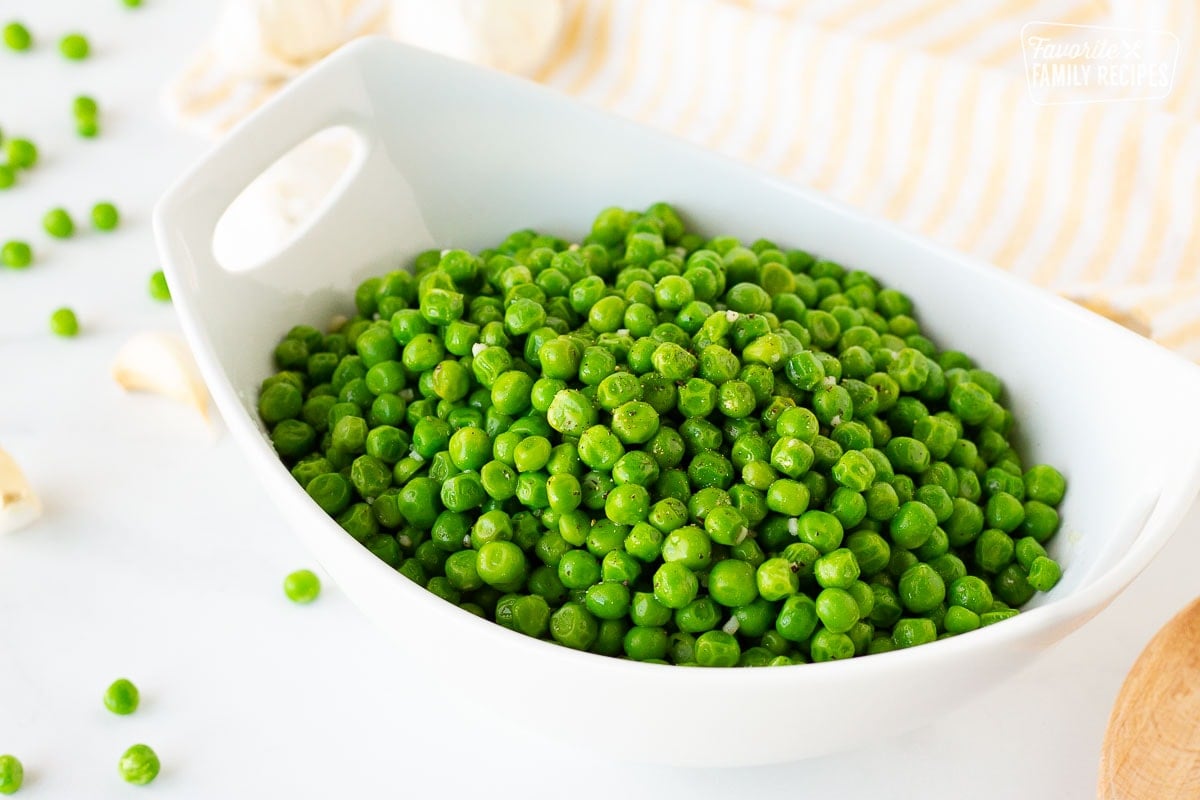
(158, 558)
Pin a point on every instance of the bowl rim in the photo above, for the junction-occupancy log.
(1168, 508)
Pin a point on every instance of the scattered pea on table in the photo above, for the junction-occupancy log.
(302, 586)
(139, 765)
(105, 216)
(63, 322)
(75, 46)
(121, 697)
(20, 153)
(16, 254)
(58, 223)
(17, 37)
(12, 774)
(159, 290)
(666, 447)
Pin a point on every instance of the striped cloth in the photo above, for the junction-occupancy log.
(918, 111)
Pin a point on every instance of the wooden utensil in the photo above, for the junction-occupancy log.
(1152, 747)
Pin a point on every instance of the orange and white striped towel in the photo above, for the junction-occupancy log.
(919, 110)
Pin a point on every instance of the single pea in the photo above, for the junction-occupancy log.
(12, 774)
(628, 504)
(16, 254)
(1044, 484)
(58, 223)
(689, 546)
(826, 645)
(17, 37)
(105, 216)
(911, 632)
(608, 600)
(837, 610)
(1004, 511)
(732, 583)
(820, 530)
(20, 153)
(84, 106)
(797, 619)
(121, 697)
(573, 626)
(912, 525)
(75, 47)
(139, 765)
(675, 585)
(64, 323)
(960, 620)
(158, 287)
(301, 586)
(836, 569)
(717, 649)
(921, 589)
(1044, 573)
(500, 564)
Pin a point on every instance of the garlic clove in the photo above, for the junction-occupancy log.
(19, 506)
(160, 363)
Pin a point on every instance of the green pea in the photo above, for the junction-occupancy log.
(1044, 484)
(58, 223)
(573, 626)
(12, 773)
(20, 153)
(913, 631)
(64, 323)
(18, 38)
(139, 765)
(74, 46)
(16, 255)
(733, 583)
(121, 697)
(717, 649)
(105, 216)
(500, 564)
(798, 618)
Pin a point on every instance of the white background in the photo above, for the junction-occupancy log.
(159, 559)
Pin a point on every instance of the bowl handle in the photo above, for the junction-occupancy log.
(330, 94)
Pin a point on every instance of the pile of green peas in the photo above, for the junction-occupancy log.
(668, 448)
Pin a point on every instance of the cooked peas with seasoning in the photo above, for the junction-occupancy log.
(662, 447)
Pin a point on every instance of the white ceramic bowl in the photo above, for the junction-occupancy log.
(455, 156)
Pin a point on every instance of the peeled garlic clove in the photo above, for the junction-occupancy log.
(510, 35)
(19, 506)
(514, 35)
(160, 363)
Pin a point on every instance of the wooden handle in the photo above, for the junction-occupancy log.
(1152, 747)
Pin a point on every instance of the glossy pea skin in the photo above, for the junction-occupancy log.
(665, 447)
